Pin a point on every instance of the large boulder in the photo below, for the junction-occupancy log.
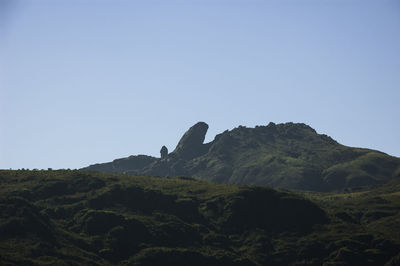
(191, 144)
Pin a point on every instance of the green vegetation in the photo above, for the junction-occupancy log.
(80, 217)
(289, 156)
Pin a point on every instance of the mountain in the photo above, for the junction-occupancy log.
(71, 217)
(289, 156)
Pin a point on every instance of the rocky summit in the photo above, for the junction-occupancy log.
(288, 155)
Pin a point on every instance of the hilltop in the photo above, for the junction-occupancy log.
(289, 156)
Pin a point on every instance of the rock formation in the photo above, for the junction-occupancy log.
(289, 156)
(191, 144)
(163, 152)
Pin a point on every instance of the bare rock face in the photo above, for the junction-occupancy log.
(163, 152)
(191, 144)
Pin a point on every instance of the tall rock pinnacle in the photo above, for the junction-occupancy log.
(191, 144)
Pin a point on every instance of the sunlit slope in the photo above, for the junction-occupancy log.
(290, 156)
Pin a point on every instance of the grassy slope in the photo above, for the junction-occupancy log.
(289, 156)
(293, 156)
(77, 217)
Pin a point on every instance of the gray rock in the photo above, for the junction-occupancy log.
(191, 144)
(163, 152)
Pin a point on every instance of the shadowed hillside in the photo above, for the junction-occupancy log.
(77, 217)
(290, 156)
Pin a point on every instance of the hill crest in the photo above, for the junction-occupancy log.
(288, 155)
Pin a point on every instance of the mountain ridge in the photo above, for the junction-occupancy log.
(288, 155)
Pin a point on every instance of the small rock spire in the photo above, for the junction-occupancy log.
(163, 152)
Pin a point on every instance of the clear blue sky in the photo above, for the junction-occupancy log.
(83, 82)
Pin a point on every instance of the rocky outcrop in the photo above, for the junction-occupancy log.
(191, 144)
(163, 152)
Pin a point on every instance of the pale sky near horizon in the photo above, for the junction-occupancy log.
(85, 82)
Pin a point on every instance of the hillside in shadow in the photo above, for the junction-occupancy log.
(80, 218)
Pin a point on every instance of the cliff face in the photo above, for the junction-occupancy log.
(290, 156)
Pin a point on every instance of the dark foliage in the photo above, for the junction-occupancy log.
(75, 217)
